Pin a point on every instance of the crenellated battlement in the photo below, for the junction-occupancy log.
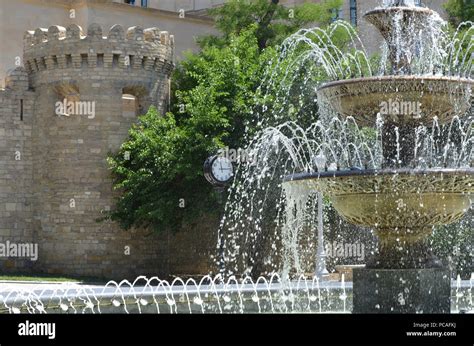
(134, 49)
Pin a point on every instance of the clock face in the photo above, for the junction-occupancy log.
(222, 169)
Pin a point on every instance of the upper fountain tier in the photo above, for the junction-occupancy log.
(399, 26)
(409, 32)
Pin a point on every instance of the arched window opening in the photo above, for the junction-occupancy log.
(68, 101)
(132, 99)
(129, 106)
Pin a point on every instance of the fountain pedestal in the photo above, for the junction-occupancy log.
(402, 291)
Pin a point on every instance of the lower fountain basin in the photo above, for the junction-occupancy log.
(400, 200)
(399, 99)
(402, 206)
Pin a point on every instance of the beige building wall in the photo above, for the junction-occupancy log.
(20, 15)
(176, 5)
(370, 37)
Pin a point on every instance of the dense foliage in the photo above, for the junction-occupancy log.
(460, 11)
(158, 170)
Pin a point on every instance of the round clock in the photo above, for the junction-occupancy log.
(218, 170)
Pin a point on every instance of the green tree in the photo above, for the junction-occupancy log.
(158, 170)
(459, 11)
(274, 21)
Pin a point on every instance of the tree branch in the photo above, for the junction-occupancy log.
(265, 23)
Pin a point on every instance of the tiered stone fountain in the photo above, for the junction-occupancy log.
(401, 204)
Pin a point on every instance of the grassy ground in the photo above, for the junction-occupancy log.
(49, 278)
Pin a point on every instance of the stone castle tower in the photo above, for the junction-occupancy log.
(54, 179)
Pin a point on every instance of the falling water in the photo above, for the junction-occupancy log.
(208, 295)
(263, 225)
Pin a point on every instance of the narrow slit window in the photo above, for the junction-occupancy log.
(115, 60)
(55, 61)
(84, 62)
(353, 12)
(100, 60)
(21, 109)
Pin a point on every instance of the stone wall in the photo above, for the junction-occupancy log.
(16, 122)
(73, 184)
(61, 187)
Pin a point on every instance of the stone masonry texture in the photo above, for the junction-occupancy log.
(54, 183)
